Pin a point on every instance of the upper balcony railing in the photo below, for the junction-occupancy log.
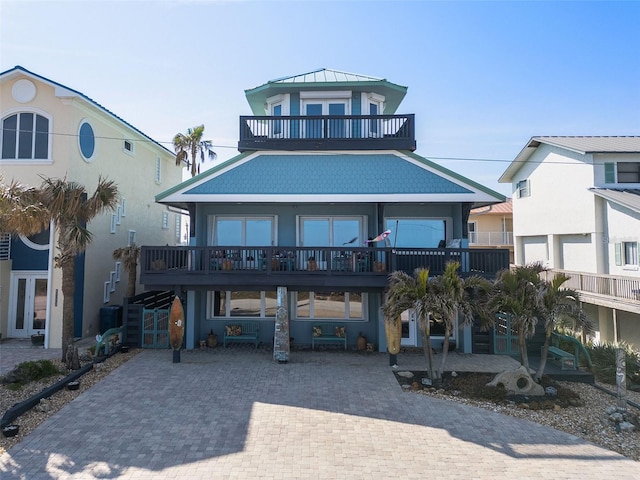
(328, 132)
(622, 291)
(326, 267)
(490, 238)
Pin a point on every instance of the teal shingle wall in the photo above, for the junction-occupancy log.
(328, 174)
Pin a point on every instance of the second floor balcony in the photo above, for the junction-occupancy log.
(327, 132)
(490, 238)
(613, 291)
(303, 268)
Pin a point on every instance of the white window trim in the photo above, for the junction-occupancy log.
(118, 215)
(22, 161)
(107, 292)
(112, 281)
(158, 172)
(118, 271)
(347, 311)
(227, 312)
(327, 95)
(114, 222)
(527, 189)
(165, 220)
(284, 101)
(213, 219)
(124, 207)
(131, 238)
(131, 152)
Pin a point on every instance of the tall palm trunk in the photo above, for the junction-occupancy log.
(543, 355)
(133, 274)
(445, 350)
(425, 334)
(522, 344)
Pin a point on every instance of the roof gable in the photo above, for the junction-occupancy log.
(329, 177)
(581, 145)
(63, 91)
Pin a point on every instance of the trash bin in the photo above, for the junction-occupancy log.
(110, 317)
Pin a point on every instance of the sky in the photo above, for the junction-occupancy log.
(483, 77)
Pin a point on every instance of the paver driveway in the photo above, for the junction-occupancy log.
(322, 415)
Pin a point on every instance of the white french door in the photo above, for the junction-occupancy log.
(28, 307)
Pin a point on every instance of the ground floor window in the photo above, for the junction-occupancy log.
(241, 304)
(333, 305)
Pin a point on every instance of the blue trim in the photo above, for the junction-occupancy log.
(78, 295)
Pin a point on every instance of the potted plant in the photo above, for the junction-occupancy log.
(37, 339)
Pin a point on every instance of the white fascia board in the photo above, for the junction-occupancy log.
(330, 198)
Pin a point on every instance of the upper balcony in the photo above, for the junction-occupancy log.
(327, 132)
(303, 268)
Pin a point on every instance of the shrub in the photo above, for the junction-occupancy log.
(27, 372)
(604, 362)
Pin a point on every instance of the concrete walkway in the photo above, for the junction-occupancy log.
(238, 414)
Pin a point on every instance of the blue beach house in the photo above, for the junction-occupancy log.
(325, 166)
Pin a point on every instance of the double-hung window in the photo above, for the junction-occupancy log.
(25, 136)
(523, 189)
(627, 254)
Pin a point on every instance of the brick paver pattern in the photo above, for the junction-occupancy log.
(323, 415)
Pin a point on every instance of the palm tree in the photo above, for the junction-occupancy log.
(70, 209)
(518, 293)
(21, 211)
(188, 146)
(559, 304)
(412, 292)
(129, 256)
(453, 297)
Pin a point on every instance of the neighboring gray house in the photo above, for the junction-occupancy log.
(326, 164)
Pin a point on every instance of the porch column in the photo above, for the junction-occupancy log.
(281, 345)
(191, 318)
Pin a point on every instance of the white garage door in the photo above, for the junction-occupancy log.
(535, 249)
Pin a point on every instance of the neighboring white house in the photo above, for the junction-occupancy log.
(576, 208)
(54, 131)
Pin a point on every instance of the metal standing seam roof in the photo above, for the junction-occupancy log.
(326, 75)
(504, 208)
(327, 79)
(582, 145)
(23, 70)
(629, 197)
(623, 144)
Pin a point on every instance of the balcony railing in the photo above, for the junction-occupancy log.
(491, 238)
(210, 265)
(613, 287)
(328, 132)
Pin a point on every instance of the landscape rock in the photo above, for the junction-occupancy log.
(517, 382)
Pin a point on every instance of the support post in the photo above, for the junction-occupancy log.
(281, 343)
(621, 379)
